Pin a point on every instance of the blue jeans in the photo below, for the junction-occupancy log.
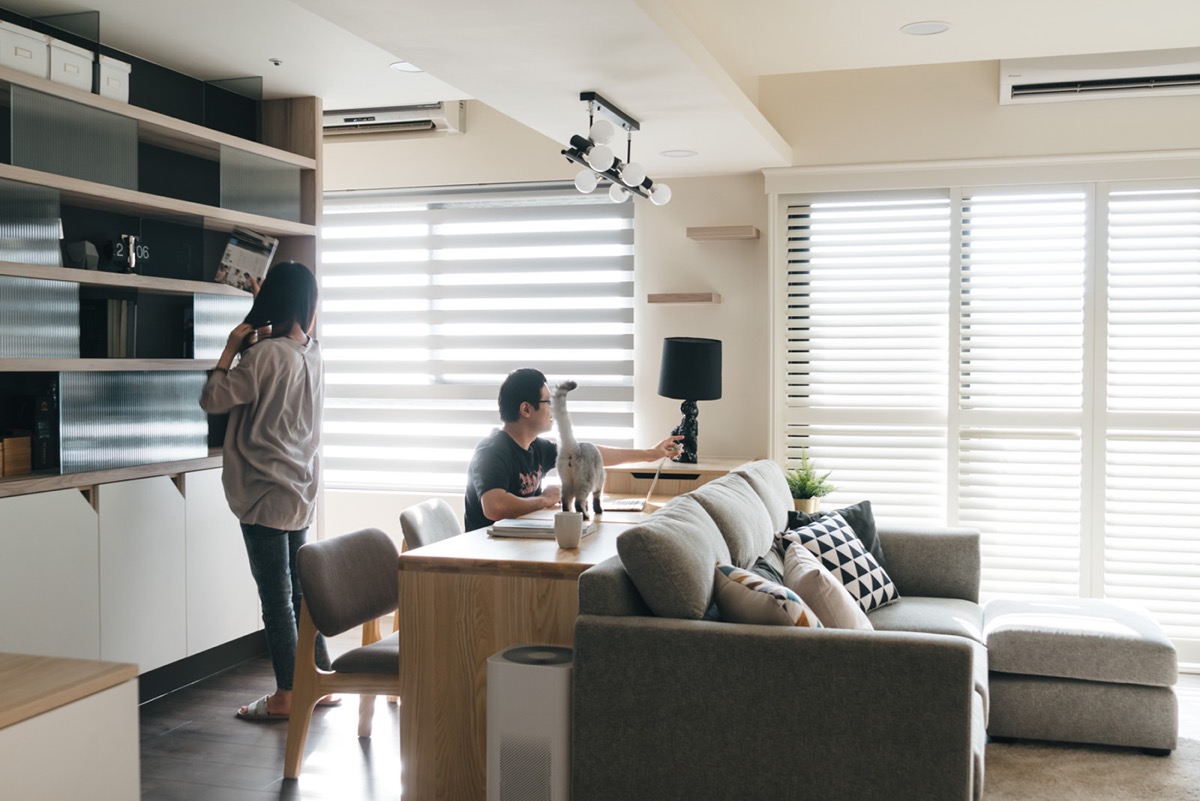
(273, 564)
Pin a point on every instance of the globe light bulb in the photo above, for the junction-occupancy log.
(660, 194)
(600, 157)
(602, 132)
(632, 174)
(618, 193)
(586, 181)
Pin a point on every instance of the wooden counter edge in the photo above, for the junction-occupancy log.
(31, 685)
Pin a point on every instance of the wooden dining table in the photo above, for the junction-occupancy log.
(462, 600)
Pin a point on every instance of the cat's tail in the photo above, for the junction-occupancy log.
(558, 403)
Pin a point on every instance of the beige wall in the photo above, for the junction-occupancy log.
(860, 117)
(952, 111)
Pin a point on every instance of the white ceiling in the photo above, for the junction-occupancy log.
(686, 69)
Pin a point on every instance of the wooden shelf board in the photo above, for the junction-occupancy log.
(155, 128)
(46, 482)
(103, 365)
(714, 233)
(149, 283)
(112, 198)
(683, 297)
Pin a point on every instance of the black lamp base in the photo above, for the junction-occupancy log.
(690, 429)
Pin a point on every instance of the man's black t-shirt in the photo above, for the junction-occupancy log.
(500, 463)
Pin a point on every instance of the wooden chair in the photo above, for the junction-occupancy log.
(428, 522)
(347, 581)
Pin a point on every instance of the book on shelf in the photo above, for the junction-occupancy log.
(541, 528)
(247, 255)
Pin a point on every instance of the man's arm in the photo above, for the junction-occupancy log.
(663, 450)
(500, 504)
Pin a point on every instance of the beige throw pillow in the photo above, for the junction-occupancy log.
(804, 575)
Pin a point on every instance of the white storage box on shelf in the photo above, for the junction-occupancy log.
(71, 64)
(24, 50)
(114, 78)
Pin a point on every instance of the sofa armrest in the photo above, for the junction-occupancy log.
(932, 561)
(683, 709)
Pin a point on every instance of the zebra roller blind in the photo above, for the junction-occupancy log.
(428, 299)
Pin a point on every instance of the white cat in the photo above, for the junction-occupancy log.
(580, 465)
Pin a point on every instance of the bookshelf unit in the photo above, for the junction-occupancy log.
(289, 155)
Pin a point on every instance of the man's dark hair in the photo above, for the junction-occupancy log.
(523, 385)
(288, 295)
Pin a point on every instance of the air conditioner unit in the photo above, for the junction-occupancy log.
(1151, 72)
(446, 117)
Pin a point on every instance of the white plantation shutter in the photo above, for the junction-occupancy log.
(867, 326)
(1050, 397)
(1021, 363)
(429, 300)
(1152, 422)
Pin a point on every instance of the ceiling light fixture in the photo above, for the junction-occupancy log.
(594, 153)
(405, 66)
(679, 154)
(926, 28)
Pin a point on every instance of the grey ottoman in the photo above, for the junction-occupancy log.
(1080, 670)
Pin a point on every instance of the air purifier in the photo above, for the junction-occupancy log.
(529, 724)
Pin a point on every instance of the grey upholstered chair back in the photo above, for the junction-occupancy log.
(349, 579)
(428, 522)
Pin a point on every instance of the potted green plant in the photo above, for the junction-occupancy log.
(807, 485)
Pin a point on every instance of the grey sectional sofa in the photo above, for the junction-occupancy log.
(670, 705)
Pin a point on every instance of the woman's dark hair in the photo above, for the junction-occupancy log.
(523, 385)
(288, 295)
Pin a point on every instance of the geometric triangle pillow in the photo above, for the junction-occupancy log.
(743, 597)
(831, 540)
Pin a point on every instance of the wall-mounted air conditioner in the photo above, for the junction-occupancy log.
(446, 117)
(1151, 72)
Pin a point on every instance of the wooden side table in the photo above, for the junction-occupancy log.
(676, 479)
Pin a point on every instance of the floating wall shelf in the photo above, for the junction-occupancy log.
(714, 233)
(684, 297)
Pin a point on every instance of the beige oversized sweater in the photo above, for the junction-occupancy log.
(274, 397)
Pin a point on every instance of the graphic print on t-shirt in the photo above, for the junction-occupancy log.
(530, 482)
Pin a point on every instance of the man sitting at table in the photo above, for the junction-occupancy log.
(505, 476)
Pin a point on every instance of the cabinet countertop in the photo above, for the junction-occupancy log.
(31, 685)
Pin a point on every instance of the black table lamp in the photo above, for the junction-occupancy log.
(691, 371)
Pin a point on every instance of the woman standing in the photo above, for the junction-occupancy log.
(274, 396)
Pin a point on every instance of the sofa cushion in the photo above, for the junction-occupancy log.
(833, 542)
(1079, 638)
(768, 480)
(931, 615)
(833, 604)
(743, 597)
(859, 516)
(740, 516)
(670, 558)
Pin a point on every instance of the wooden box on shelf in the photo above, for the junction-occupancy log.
(15, 454)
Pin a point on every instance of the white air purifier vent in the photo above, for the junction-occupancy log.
(529, 724)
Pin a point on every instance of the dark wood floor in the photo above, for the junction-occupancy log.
(193, 747)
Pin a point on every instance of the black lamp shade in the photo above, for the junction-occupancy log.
(691, 369)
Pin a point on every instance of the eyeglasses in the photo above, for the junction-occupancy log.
(538, 403)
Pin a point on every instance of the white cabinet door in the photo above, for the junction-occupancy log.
(143, 601)
(222, 602)
(49, 575)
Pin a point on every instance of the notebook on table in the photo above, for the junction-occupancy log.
(532, 528)
(634, 504)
